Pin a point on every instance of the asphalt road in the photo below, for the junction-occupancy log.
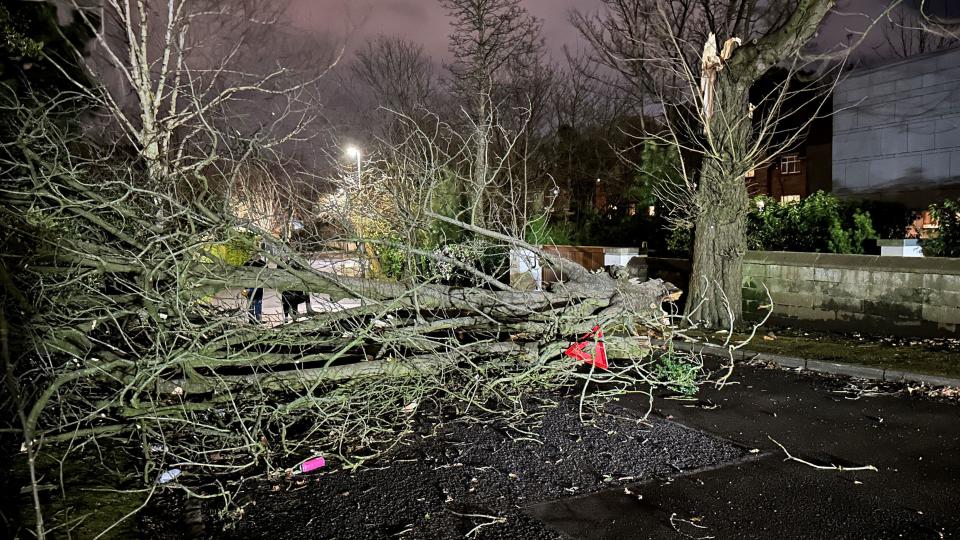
(914, 444)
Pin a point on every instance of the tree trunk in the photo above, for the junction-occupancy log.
(721, 200)
(723, 203)
(478, 212)
(719, 245)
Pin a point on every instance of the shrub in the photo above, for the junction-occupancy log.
(861, 231)
(817, 223)
(237, 249)
(393, 260)
(890, 219)
(946, 243)
(561, 233)
(543, 231)
(538, 230)
(678, 242)
(764, 223)
(471, 253)
(679, 370)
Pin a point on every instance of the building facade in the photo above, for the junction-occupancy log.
(896, 131)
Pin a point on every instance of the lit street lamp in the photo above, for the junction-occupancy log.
(354, 152)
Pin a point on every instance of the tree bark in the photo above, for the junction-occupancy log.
(722, 201)
(719, 246)
(722, 204)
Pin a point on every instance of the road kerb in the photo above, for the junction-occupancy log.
(822, 366)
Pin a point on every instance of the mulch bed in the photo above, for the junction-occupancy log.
(460, 478)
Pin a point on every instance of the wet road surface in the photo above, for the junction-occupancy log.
(914, 444)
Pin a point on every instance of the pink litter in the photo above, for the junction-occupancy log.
(309, 465)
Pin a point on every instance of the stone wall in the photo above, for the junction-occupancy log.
(896, 129)
(903, 295)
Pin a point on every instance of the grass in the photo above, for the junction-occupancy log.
(94, 497)
(928, 356)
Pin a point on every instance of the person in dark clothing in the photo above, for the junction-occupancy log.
(255, 295)
(291, 301)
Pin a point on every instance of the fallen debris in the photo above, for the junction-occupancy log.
(831, 467)
(169, 476)
(309, 465)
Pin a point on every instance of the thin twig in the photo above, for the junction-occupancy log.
(790, 457)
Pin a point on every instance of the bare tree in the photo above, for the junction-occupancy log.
(938, 20)
(498, 75)
(390, 82)
(586, 97)
(171, 71)
(398, 71)
(708, 90)
(905, 36)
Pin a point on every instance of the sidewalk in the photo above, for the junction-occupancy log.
(924, 356)
(915, 444)
(849, 369)
(272, 313)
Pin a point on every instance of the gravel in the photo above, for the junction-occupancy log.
(459, 478)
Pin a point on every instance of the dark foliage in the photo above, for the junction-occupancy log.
(38, 53)
(946, 243)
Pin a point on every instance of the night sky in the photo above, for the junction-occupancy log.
(425, 21)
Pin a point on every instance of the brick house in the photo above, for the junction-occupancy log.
(784, 179)
(796, 173)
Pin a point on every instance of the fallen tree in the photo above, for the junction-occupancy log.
(120, 206)
(110, 337)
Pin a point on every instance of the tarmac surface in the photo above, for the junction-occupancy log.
(914, 443)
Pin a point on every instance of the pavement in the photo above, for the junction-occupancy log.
(822, 366)
(272, 309)
(914, 443)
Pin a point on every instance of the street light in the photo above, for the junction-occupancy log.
(354, 152)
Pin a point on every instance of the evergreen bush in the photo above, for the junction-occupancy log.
(818, 223)
(946, 242)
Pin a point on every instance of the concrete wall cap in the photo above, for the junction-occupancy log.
(873, 263)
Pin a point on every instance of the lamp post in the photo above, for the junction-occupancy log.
(354, 152)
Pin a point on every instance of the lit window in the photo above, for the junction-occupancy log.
(751, 173)
(651, 210)
(789, 198)
(790, 164)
